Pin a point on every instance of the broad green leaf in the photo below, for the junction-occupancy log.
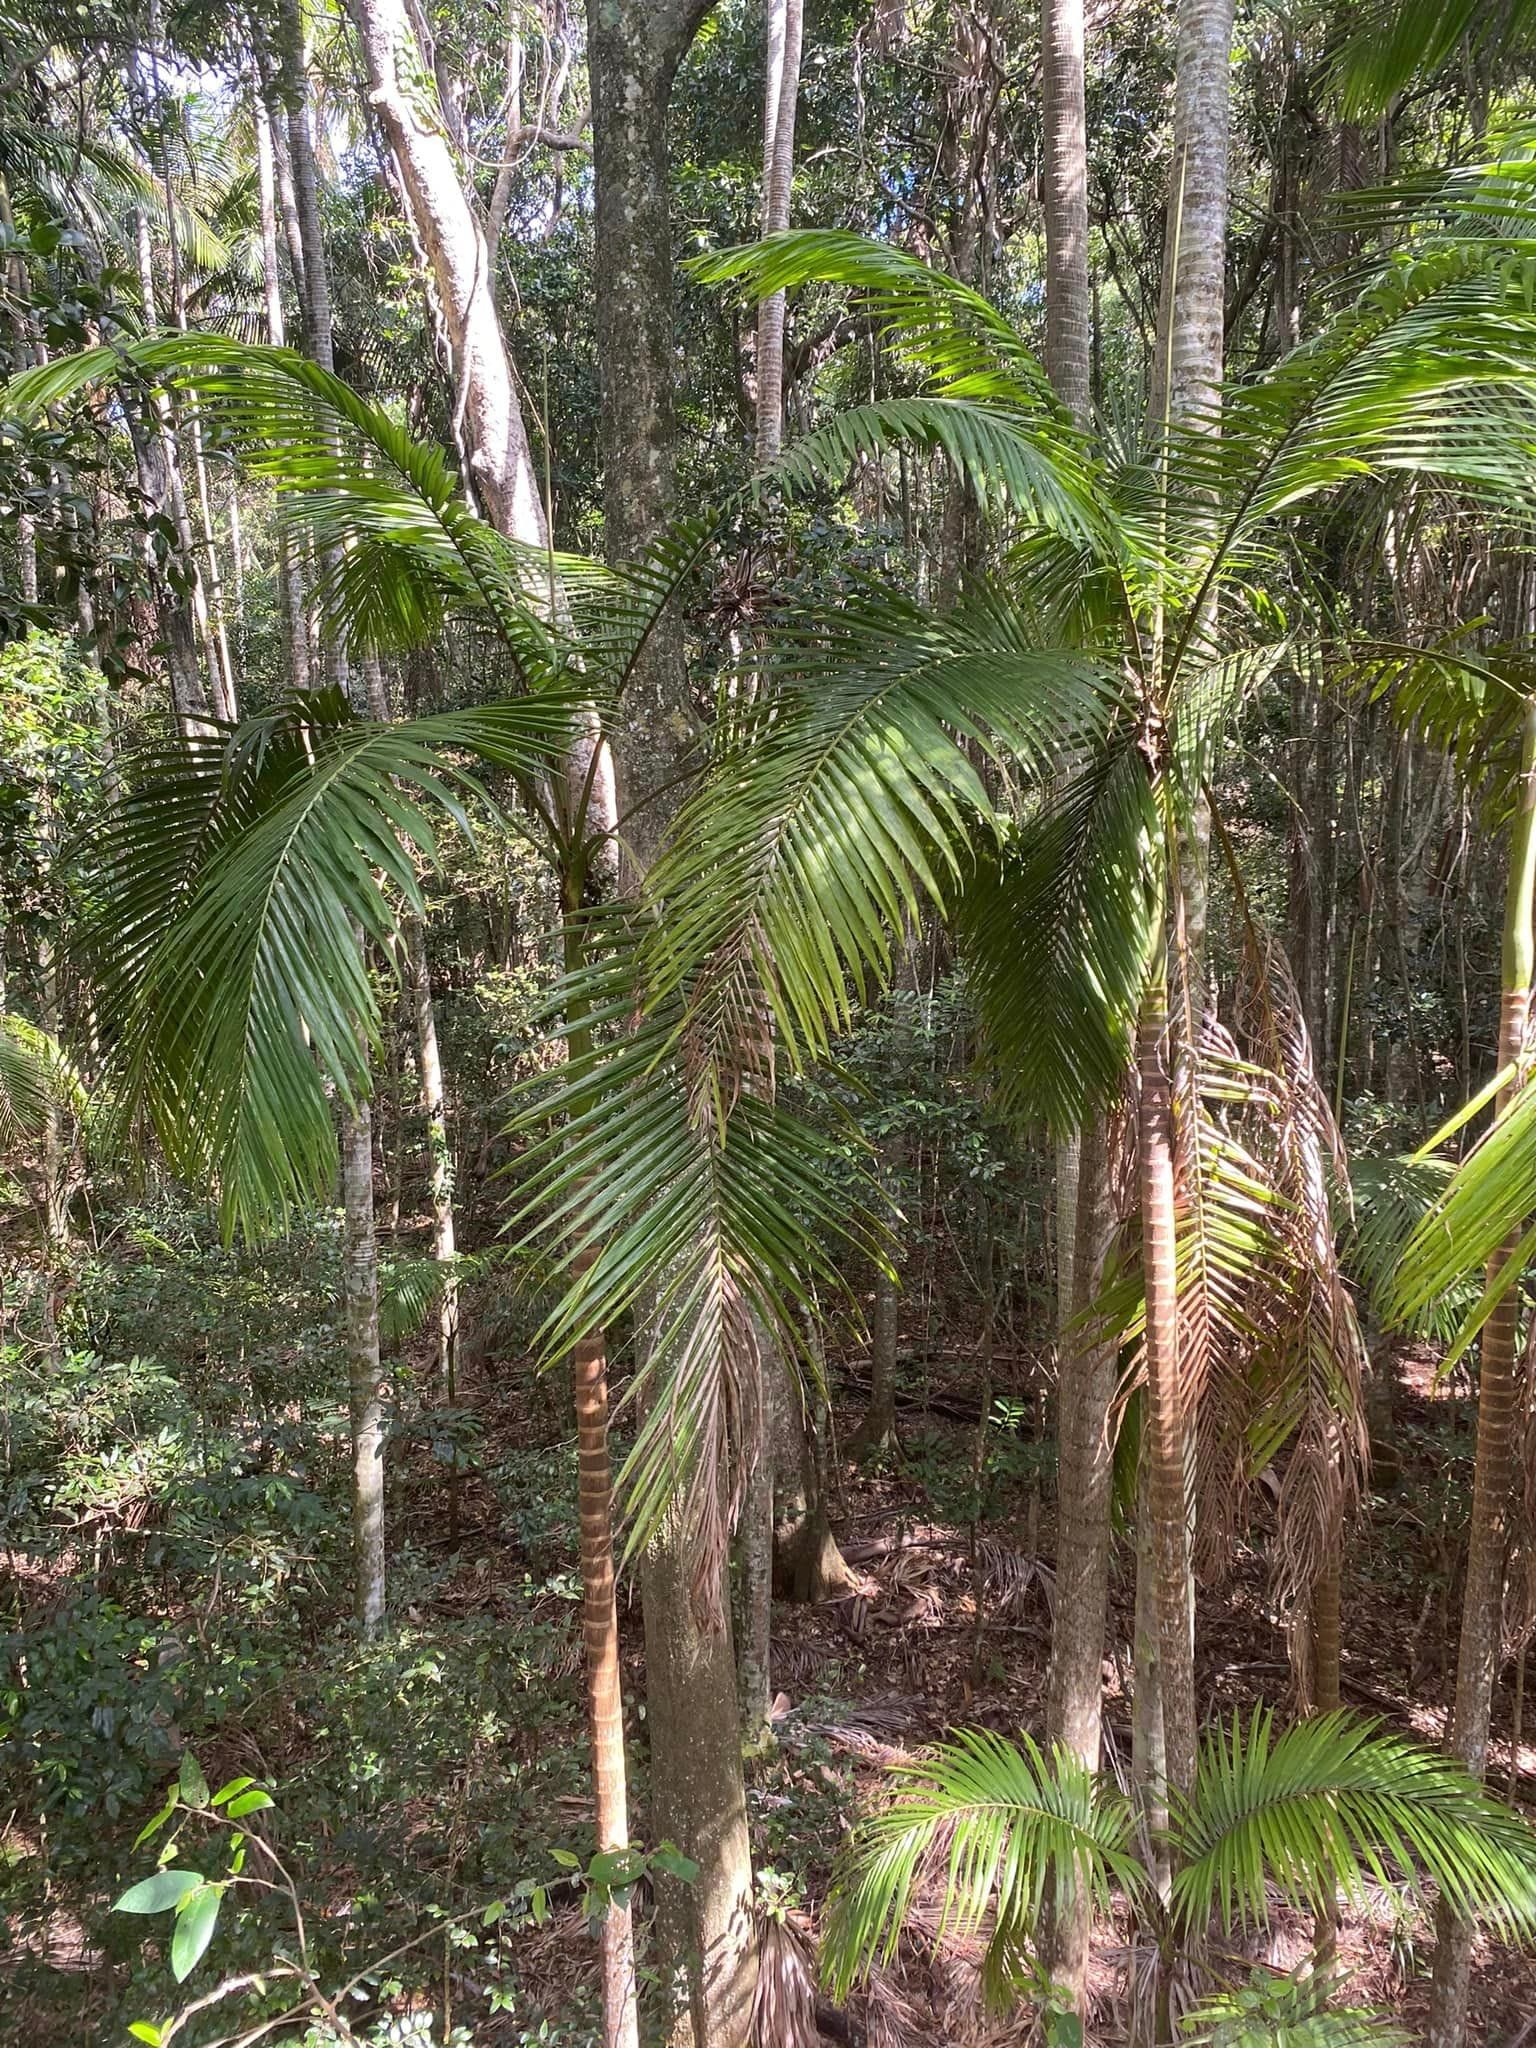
(159, 1893)
(196, 1918)
(227, 1792)
(249, 1802)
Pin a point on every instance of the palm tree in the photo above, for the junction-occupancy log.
(1332, 1804)
(1075, 921)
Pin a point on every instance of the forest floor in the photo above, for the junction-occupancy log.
(865, 1681)
(862, 1682)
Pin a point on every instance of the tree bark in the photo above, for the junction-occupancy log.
(429, 1067)
(877, 1432)
(1068, 294)
(705, 1930)
(314, 276)
(1167, 1430)
(486, 398)
(360, 1309)
(290, 575)
(1187, 374)
(1086, 1470)
(1482, 1624)
(781, 91)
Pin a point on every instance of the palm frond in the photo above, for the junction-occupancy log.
(237, 876)
(849, 797)
(1056, 927)
(993, 1822)
(1288, 2012)
(1488, 1199)
(1332, 1803)
(37, 1077)
(1392, 42)
(704, 1213)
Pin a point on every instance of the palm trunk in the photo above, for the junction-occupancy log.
(313, 273)
(781, 90)
(1075, 1691)
(1482, 1624)
(360, 1308)
(605, 1701)
(1166, 1435)
(698, 1791)
(1068, 294)
(877, 1432)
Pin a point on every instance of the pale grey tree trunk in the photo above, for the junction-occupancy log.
(451, 234)
(781, 93)
(1068, 293)
(708, 1950)
(360, 1312)
(290, 575)
(429, 1065)
(1187, 374)
(314, 276)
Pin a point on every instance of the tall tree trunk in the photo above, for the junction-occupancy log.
(1482, 1623)
(698, 1791)
(1086, 1470)
(360, 1309)
(452, 236)
(1068, 293)
(1187, 374)
(781, 88)
(290, 575)
(429, 1067)
(1166, 1435)
(313, 274)
(781, 92)
(1086, 1379)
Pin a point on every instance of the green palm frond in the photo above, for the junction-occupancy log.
(992, 1823)
(235, 877)
(849, 797)
(404, 552)
(1488, 1199)
(37, 1076)
(985, 402)
(1391, 1198)
(703, 1213)
(1056, 924)
(1331, 1804)
(1389, 43)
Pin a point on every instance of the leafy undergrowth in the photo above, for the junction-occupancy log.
(176, 1564)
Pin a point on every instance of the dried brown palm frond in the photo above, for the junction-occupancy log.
(784, 2003)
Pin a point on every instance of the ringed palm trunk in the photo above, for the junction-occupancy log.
(1166, 1431)
(1482, 1624)
(1086, 1389)
(600, 1619)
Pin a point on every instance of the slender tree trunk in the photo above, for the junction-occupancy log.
(292, 602)
(699, 1799)
(1482, 1624)
(1086, 1390)
(755, 1545)
(429, 1066)
(1068, 293)
(360, 1308)
(1167, 1429)
(1187, 374)
(877, 1432)
(312, 272)
(781, 90)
